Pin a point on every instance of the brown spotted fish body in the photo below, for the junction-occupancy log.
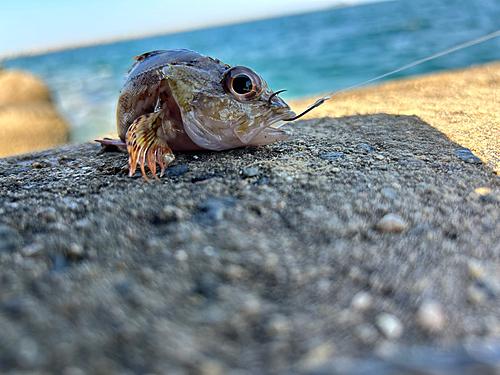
(182, 100)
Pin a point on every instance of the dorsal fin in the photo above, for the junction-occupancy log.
(148, 54)
(144, 56)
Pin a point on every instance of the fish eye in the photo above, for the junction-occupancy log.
(242, 83)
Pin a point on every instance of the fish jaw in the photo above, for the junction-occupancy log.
(248, 130)
(269, 135)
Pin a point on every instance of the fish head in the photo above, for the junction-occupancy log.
(224, 107)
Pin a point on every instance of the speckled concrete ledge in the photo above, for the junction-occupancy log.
(359, 237)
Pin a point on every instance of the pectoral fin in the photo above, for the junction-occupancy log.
(146, 147)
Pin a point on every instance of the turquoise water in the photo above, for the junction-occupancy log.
(306, 54)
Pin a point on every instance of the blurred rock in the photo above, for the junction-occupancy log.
(28, 119)
(391, 223)
(19, 87)
(390, 326)
(362, 301)
(431, 317)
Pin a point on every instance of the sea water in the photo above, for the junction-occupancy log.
(306, 54)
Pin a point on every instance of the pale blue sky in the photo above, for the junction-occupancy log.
(33, 25)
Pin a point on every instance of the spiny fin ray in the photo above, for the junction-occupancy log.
(145, 147)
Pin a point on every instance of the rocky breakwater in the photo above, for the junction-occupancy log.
(28, 119)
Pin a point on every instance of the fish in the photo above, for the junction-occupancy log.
(182, 100)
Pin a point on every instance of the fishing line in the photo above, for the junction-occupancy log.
(436, 55)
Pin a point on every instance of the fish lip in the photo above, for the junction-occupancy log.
(279, 122)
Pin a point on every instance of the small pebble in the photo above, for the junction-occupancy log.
(362, 301)
(181, 255)
(431, 317)
(317, 356)
(251, 172)
(210, 251)
(390, 326)
(475, 269)
(391, 223)
(467, 156)
(75, 251)
(482, 191)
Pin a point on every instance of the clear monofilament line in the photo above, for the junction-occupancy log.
(436, 55)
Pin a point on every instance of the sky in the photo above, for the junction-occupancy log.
(28, 26)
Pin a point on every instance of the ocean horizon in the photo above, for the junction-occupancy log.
(307, 54)
(50, 48)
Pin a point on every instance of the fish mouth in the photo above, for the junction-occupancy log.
(280, 110)
(246, 130)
